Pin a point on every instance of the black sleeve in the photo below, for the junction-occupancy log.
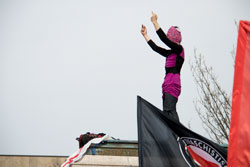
(175, 47)
(161, 51)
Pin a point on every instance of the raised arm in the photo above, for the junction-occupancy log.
(156, 48)
(174, 46)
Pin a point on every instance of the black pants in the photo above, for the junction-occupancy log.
(169, 106)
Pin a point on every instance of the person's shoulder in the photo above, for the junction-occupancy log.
(182, 54)
(181, 47)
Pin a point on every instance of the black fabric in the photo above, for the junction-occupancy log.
(158, 146)
(163, 141)
(158, 49)
(169, 106)
(85, 138)
(172, 70)
(179, 63)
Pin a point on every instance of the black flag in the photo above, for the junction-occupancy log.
(163, 142)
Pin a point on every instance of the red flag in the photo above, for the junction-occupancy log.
(239, 139)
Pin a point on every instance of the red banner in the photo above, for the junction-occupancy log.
(239, 139)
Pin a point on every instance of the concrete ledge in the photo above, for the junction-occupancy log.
(101, 160)
(31, 161)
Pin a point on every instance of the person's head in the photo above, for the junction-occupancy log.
(174, 34)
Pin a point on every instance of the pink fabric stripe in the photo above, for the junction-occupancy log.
(172, 85)
(171, 60)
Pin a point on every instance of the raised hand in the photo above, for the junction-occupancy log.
(143, 30)
(154, 17)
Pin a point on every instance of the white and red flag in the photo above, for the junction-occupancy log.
(79, 154)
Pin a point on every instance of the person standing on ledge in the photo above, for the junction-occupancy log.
(171, 87)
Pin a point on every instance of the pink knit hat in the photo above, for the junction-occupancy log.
(174, 34)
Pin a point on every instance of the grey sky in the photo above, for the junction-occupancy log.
(68, 67)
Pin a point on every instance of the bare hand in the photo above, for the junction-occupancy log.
(154, 17)
(143, 30)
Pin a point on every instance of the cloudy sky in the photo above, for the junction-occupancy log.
(69, 67)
